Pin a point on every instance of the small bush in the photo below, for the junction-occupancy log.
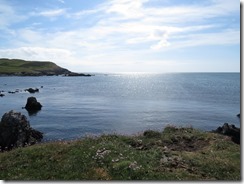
(151, 134)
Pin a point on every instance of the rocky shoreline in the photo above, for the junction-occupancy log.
(73, 74)
(15, 130)
(39, 74)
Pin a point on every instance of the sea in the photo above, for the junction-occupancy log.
(124, 103)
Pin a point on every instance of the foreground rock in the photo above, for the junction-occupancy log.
(33, 105)
(231, 131)
(15, 131)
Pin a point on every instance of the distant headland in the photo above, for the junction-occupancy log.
(19, 67)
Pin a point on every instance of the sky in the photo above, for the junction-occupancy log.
(124, 35)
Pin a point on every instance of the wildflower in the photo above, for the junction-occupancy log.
(134, 166)
(101, 153)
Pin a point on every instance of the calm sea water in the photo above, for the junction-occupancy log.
(74, 107)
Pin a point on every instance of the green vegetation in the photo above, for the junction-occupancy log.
(174, 154)
(22, 67)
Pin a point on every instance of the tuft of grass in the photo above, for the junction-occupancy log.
(174, 154)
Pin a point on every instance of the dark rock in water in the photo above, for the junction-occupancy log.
(2, 95)
(31, 90)
(73, 74)
(32, 105)
(231, 131)
(15, 131)
(238, 115)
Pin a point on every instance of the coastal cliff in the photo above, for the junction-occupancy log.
(18, 67)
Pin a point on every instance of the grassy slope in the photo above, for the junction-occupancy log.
(174, 154)
(9, 66)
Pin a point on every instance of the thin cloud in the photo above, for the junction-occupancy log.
(8, 15)
(83, 13)
(38, 53)
(51, 13)
(134, 22)
(61, 1)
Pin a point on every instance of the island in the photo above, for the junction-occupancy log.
(19, 67)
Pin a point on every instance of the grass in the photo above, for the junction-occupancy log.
(12, 66)
(174, 154)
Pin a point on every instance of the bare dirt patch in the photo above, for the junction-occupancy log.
(185, 143)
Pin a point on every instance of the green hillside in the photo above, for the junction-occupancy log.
(22, 67)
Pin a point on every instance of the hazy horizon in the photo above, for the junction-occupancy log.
(156, 36)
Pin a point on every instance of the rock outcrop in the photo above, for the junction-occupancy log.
(15, 131)
(73, 74)
(231, 131)
(31, 90)
(33, 105)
